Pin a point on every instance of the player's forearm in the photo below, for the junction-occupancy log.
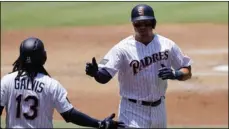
(79, 118)
(186, 73)
(102, 76)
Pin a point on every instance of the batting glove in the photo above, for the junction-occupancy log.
(108, 123)
(91, 68)
(168, 73)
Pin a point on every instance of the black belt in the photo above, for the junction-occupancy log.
(145, 103)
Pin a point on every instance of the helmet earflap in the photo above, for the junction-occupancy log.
(44, 58)
(154, 23)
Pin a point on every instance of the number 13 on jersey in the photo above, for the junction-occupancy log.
(33, 107)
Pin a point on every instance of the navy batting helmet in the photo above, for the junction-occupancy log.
(143, 12)
(32, 51)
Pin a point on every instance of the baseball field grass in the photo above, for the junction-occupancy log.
(16, 15)
(56, 124)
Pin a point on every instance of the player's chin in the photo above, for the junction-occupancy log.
(143, 34)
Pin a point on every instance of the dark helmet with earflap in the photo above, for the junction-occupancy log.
(32, 52)
(143, 12)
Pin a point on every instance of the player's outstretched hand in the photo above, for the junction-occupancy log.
(109, 123)
(91, 68)
(166, 73)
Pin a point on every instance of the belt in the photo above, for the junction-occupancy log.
(146, 103)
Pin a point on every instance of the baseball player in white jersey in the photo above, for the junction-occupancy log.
(30, 95)
(144, 61)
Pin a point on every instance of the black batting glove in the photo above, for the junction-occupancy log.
(108, 123)
(168, 73)
(91, 68)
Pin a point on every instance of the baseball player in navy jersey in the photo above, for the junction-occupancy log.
(144, 62)
(30, 94)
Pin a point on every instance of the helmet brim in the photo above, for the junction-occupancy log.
(140, 18)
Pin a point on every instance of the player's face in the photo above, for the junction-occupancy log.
(143, 27)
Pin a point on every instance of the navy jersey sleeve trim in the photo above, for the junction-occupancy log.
(102, 76)
(79, 118)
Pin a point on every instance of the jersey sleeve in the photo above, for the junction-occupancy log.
(179, 59)
(112, 60)
(61, 102)
(4, 92)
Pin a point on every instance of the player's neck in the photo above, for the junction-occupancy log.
(144, 39)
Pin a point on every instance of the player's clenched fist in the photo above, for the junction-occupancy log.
(91, 68)
(168, 73)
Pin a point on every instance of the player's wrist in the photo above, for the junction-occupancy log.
(95, 73)
(178, 75)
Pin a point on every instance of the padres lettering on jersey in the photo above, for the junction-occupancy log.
(148, 60)
(30, 106)
(138, 64)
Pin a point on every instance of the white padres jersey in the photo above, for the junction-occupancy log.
(32, 107)
(138, 64)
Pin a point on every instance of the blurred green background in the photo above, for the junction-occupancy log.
(16, 15)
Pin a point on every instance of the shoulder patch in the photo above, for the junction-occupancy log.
(103, 61)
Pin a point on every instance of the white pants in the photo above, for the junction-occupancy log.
(136, 115)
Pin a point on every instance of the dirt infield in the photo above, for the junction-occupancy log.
(203, 100)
